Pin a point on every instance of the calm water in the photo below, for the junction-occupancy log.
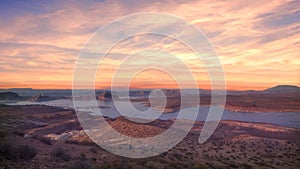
(107, 108)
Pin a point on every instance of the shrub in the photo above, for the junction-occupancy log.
(13, 152)
(114, 165)
(5, 149)
(46, 141)
(3, 133)
(19, 133)
(61, 153)
(200, 166)
(154, 165)
(80, 164)
(26, 152)
(93, 150)
(42, 139)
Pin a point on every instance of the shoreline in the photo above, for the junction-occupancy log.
(257, 110)
(171, 119)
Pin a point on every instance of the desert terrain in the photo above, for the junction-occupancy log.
(37, 136)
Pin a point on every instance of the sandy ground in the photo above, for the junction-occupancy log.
(49, 129)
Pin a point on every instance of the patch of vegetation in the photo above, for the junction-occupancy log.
(46, 141)
(3, 133)
(118, 164)
(154, 165)
(11, 152)
(42, 139)
(93, 150)
(200, 166)
(26, 152)
(84, 142)
(81, 163)
(5, 149)
(59, 152)
(19, 133)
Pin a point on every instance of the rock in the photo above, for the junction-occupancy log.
(104, 96)
(40, 98)
(27, 136)
(65, 136)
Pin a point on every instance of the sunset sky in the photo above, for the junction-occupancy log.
(258, 42)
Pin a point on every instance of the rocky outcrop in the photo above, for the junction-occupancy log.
(65, 136)
(104, 96)
(41, 98)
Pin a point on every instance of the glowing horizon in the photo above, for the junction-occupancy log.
(258, 42)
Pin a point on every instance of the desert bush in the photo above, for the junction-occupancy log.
(200, 166)
(19, 133)
(80, 164)
(93, 150)
(84, 142)
(118, 164)
(59, 152)
(12, 152)
(42, 139)
(26, 152)
(46, 141)
(154, 165)
(3, 133)
(5, 149)
(177, 155)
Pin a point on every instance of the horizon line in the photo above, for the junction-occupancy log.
(30, 88)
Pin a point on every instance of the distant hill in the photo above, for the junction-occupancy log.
(28, 92)
(283, 89)
(20, 89)
(10, 96)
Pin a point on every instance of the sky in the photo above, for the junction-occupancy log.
(257, 42)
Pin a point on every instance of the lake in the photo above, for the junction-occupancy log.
(107, 108)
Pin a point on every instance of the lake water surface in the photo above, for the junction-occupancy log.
(107, 108)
